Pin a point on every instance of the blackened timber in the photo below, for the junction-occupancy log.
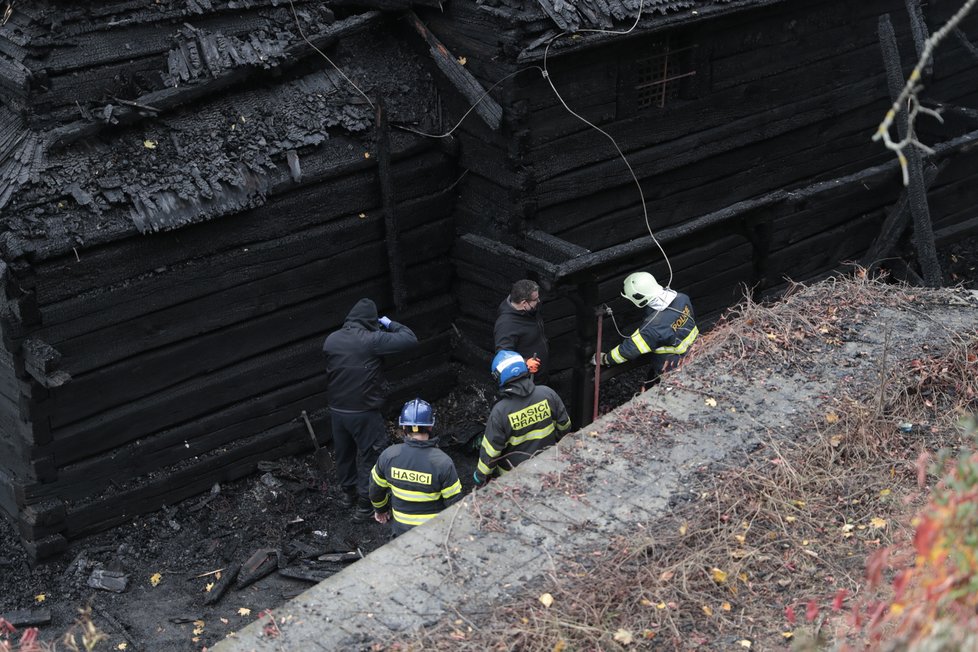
(896, 222)
(485, 107)
(917, 191)
(170, 98)
(968, 45)
(639, 246)
(392, 235)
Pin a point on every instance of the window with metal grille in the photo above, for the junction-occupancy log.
(660, 72)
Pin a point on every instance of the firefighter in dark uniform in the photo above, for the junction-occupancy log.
(527, 419)
(667, 330)
(356, 397)
(413, 481)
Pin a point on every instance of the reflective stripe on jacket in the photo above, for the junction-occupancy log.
(665, 333)
(414, 480)
(526, 420)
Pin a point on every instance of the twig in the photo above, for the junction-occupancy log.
(909, 96)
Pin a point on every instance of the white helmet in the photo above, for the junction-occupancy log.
(640, 288)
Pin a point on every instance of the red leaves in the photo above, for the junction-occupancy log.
(811, 611)
(789, 614)
(840, 597)
(925, 536)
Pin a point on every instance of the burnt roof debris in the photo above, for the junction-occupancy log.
(236, 104)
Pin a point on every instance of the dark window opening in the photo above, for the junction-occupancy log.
(660, 73)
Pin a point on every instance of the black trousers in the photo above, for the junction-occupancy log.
(358, 440)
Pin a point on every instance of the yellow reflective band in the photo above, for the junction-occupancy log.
(448, 492)
(617, 356)
(529, 415)
(412, 519)
(379, 481)
(483, 469)
(683, 346)
(414, 496)
(640, 343)
(563, 426)
(379, 506)
(530, 436)
(407, 475)
(487, 447)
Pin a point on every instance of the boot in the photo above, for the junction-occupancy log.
(364, 511)
(347, 498)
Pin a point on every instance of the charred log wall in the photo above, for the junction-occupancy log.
(772, 100)
(177, 360)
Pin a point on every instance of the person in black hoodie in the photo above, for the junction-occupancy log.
(519, 327)
(356, 397)
(527, 419)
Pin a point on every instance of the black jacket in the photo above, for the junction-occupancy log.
(353, 358)
(527, 419)
(522, 331)
(414, 480)
(667, 334)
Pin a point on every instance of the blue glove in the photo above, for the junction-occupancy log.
(384, 321)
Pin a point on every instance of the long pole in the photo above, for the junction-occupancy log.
(597, 366)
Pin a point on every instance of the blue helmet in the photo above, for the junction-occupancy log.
(508, 365)
(415, 414)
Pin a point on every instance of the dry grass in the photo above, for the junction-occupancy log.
(769, 553)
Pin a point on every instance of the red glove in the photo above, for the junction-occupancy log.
(533, 365)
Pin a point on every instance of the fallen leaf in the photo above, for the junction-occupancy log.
(726, 606)
(122, 646)
(831, 417)
(788, 634)
(149, 144)
(835, 441)
(740, 538)
(683, 528)
(462, 61)
(661, 605)
(624, 637)
(790, 519)
(718, 575)
(244, 611)
(366, 155)
(210, 585)
(546, 599)
(878, 522)
(362, 216)
(744, 643)
(712, 402)
(225, 621)
(645, 602)
(666, 576)
(155, 579)
(40, 597)
(559, 645)
(707, 610)
(885, 493)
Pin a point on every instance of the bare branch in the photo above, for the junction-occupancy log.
(909, 95)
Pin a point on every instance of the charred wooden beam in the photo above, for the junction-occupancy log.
(150, 104)
(639, 246)
(968, 45)
(896, 222)
(41, 361)
(551, 247)
(485, 107)
(963, 111)
(392, 235)
(918, 27)
(387, 5)
(917, 191)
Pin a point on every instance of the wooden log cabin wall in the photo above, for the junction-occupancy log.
(193, 199)
(747, 123)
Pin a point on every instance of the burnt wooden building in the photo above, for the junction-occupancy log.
(747, 124)
(194, 193)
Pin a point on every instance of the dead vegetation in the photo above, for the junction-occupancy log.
(772, 551)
